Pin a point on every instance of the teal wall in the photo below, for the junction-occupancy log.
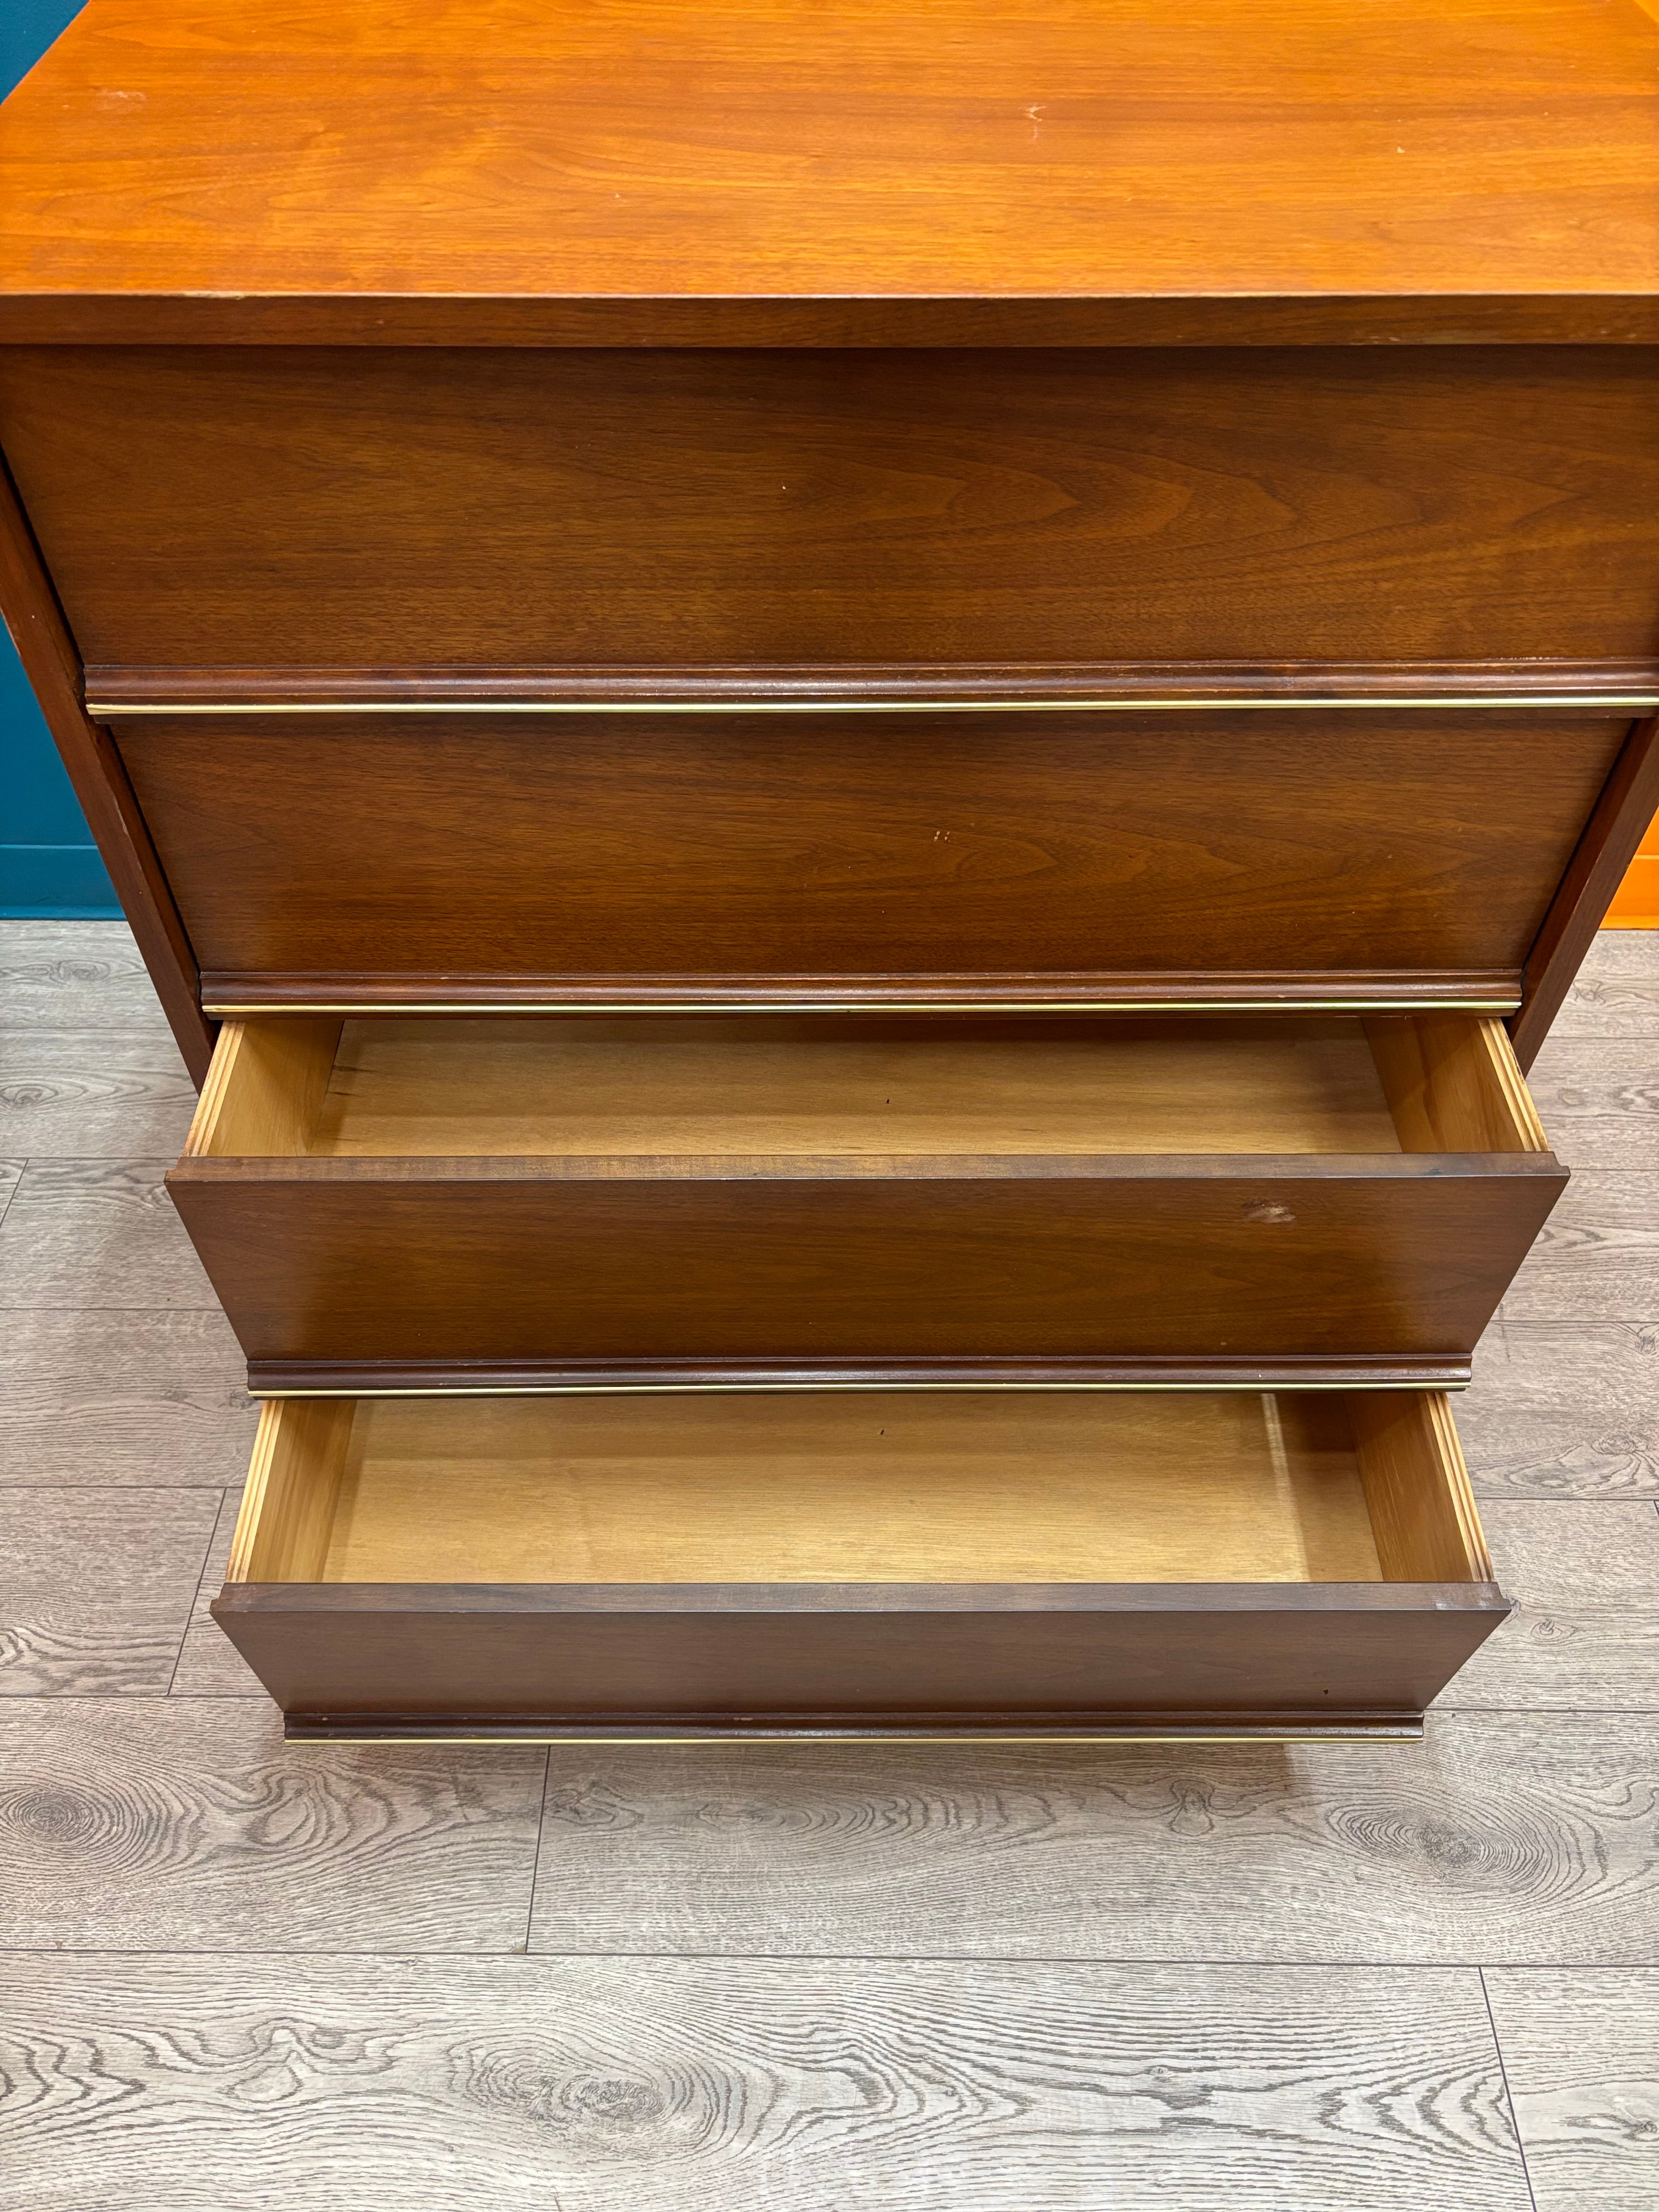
(48, 863)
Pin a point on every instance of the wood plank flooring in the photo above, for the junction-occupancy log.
(234, 1973)
(745, 2085)
(1579, 2052)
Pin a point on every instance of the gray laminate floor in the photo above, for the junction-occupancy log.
(238, 1975)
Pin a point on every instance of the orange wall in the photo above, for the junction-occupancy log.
(1637, 906)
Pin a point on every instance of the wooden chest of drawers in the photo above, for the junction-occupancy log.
(860, 751)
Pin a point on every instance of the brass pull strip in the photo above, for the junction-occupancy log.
(1556, 703)
(235, 1010)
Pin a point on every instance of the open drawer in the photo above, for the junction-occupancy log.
(526, 1202)
(933, 1562)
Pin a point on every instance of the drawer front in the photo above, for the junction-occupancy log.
(324, 1280)
(376, 1200)
(1068, 855)
(249, 507)
(1349, 1580)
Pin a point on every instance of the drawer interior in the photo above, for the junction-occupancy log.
(854, 1486)
(816, 1086)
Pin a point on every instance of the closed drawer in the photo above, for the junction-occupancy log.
(891, 1562)
(249, 507)
(1062, 855)
(537, 1201)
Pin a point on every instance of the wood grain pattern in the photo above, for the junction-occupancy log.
(266, 1088)
(1372, 1846)
(1500, 1838)
(69, 976)
(78, 1094)
(752, 2085)
(30, 604)
(11, 1176)
(1416, 1489)
(209, 1665)
(823, 1086)
(1564, 1409)
(882, 1258)
(1616, 992)
(1579, 2062)
(997, 485)
(816, 1488)
(927, 1661)
(867, 851)
(121, 1398)
(185, 1825)
(294, 1477)
(1599, 1261)
(1602, 1095)
(1584, 1636)
(1453, 1086)
(98, 1587)
(108, 1221)
(244, 506)
(842, 1562)
(986, 151)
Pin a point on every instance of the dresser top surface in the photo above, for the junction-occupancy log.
(971, 150)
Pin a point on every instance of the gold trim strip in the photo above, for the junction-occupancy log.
(1392, 1733)
(1566, 701)
(226, 1009)
(1281, 1384)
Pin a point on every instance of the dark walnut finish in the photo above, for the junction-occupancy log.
(1058, 854)
(1628, 803)
(355, 1265)
(1210, 1566)
(832, 1193)
(250, 505)
(52, 665)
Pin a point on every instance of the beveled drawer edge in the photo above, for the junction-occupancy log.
(867, 687)
(982, 1601)
(237, 994)
(301, 1728)
(319, 1379)
(229, 1010)
(264, 1393)
(109, 710)
(712, 1002)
